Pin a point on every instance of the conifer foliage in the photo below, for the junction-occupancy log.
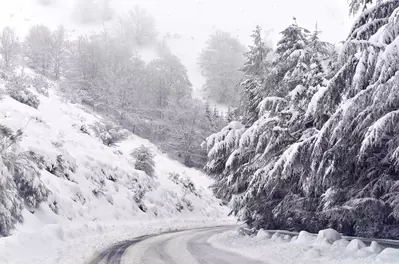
(323, 149)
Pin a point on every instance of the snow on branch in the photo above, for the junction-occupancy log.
(376, 132)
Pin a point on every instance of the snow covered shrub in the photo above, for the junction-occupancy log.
(100, 188)
(84, 129)
(188, 184)
(17, 88)
(10, 202)
(144, 160)
(41, 84)
(19, 180)
(27, 179)
(109, 133)
(179, 206)
(188, 204)
(24, 169)
(185, 181)
(139, 190)
(174, 177)
(64, 166)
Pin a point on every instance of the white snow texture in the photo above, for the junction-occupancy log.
(327, 248)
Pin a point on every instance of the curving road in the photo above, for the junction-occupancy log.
(185, 247)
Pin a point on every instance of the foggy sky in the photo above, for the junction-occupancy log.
(241, 16)
(200, 17)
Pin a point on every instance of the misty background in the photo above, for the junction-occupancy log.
(194, 20)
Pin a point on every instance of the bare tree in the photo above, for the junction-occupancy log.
(220, 62)
(38, 49)
(10, 47)
(138, 26)
(169, 81)
(58, 51)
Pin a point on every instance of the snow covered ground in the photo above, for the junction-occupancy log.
(96, 203)
(326, 248)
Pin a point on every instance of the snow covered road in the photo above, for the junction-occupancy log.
(184, 247)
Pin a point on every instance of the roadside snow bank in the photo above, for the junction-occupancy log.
(328, 248)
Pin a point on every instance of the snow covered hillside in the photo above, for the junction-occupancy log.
(94, 188)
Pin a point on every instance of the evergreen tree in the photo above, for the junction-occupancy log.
(291, 59)
(255, 68)
(230, 115)
(340, 170)
(256, 58)
(215, 115)
(317, 51)
(208, 114)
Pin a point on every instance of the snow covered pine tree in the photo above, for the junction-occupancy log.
(322, 152)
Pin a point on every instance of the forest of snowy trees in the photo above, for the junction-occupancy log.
(105, 72)
(315, 142)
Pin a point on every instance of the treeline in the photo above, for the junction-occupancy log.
(316, 143)
(105, 72)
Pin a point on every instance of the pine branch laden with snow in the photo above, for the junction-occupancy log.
(220, 146)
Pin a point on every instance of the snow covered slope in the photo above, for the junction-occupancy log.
(97, 190)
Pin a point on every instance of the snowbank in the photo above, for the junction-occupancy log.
(327, 248)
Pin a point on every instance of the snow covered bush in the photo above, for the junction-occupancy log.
(19, 180)
(109, 133)
(17, 88)
(144, 160)
(10, 202)
(27, 179)
(41, 84)
(185, 181)
(64, 166)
